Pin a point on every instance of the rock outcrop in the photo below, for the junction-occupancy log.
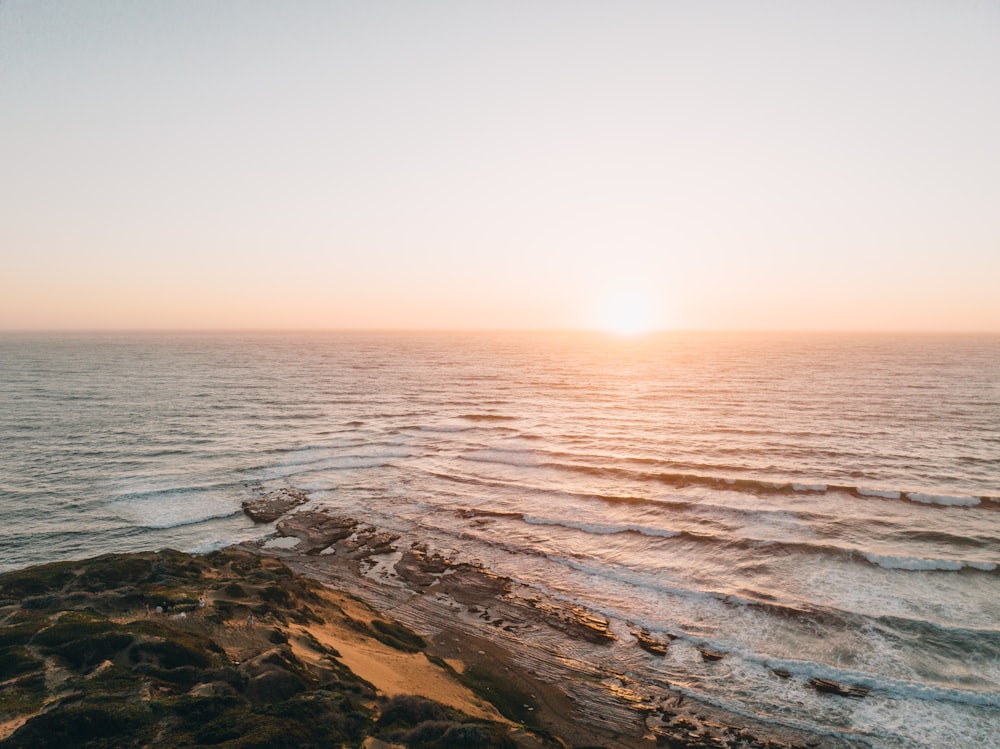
(273, 505)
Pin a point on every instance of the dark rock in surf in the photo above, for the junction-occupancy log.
(576, 622)
(272, 506)
(651, 644)
(316, 530)
(828, 686)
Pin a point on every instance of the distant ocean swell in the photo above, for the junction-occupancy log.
(758, 486)
(762, 546)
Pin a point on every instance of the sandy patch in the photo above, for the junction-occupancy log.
(391, 671)
(8, 727)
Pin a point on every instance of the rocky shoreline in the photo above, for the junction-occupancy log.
(333, 632)
(453, 601)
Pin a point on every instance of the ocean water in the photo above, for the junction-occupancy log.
(828, 505)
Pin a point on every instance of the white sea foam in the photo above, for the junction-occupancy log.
(984, 566)
(323, 456)
(169, 509)
(884, 494)
(942, 499)
(881, 684)
(911, 563)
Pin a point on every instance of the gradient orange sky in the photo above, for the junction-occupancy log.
(734, 165)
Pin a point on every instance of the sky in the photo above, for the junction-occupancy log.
(545, 164)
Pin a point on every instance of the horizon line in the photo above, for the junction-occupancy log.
(590, 330)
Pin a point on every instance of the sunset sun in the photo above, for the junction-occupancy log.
(627, 313)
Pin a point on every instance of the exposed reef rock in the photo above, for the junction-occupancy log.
(563, 654)
(835, 687)
(419, 568)
(273, 505)
(649, 643)
(316, 530)
(576, 622)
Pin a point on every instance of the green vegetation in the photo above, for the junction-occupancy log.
(397, 636)
(424, 724)
(506, 696)
(120, 674)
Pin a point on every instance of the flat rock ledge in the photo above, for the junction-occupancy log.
(556, 643)
(316, 530)
(273, 505)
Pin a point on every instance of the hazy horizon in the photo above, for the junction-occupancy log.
(445, 165)
(595, 331)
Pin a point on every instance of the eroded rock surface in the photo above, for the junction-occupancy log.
(273, 505)
(558, 646)
(316, 530)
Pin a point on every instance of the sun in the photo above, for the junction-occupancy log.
(627, 313)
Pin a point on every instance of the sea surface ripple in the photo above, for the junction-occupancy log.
(818, 505)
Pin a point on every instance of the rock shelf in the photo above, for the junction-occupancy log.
(271, 506)
(556, 650)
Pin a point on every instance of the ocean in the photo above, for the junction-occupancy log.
(819, 506)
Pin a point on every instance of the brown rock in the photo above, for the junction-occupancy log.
(272, 506)
(420, 568)
(835, 687)
(649, 643)
(316, 530)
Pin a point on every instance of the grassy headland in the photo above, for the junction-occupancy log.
(226, 650)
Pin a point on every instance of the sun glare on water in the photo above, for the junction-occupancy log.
(627, 314)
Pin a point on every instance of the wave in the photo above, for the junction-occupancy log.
(326, 447)
(506, 457)
(597, 529)
(170, 508)
(328, 463)
(173, 491)
(602, 529)
(987, 641)
(777, 548)
(487, 417)
(881, 493)
(944, 499)
(521, 488)
(538, 459)
(162, 525)
(915, 563)
(825, 615)
(875, 685)
(318, 454)
(879, 684)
